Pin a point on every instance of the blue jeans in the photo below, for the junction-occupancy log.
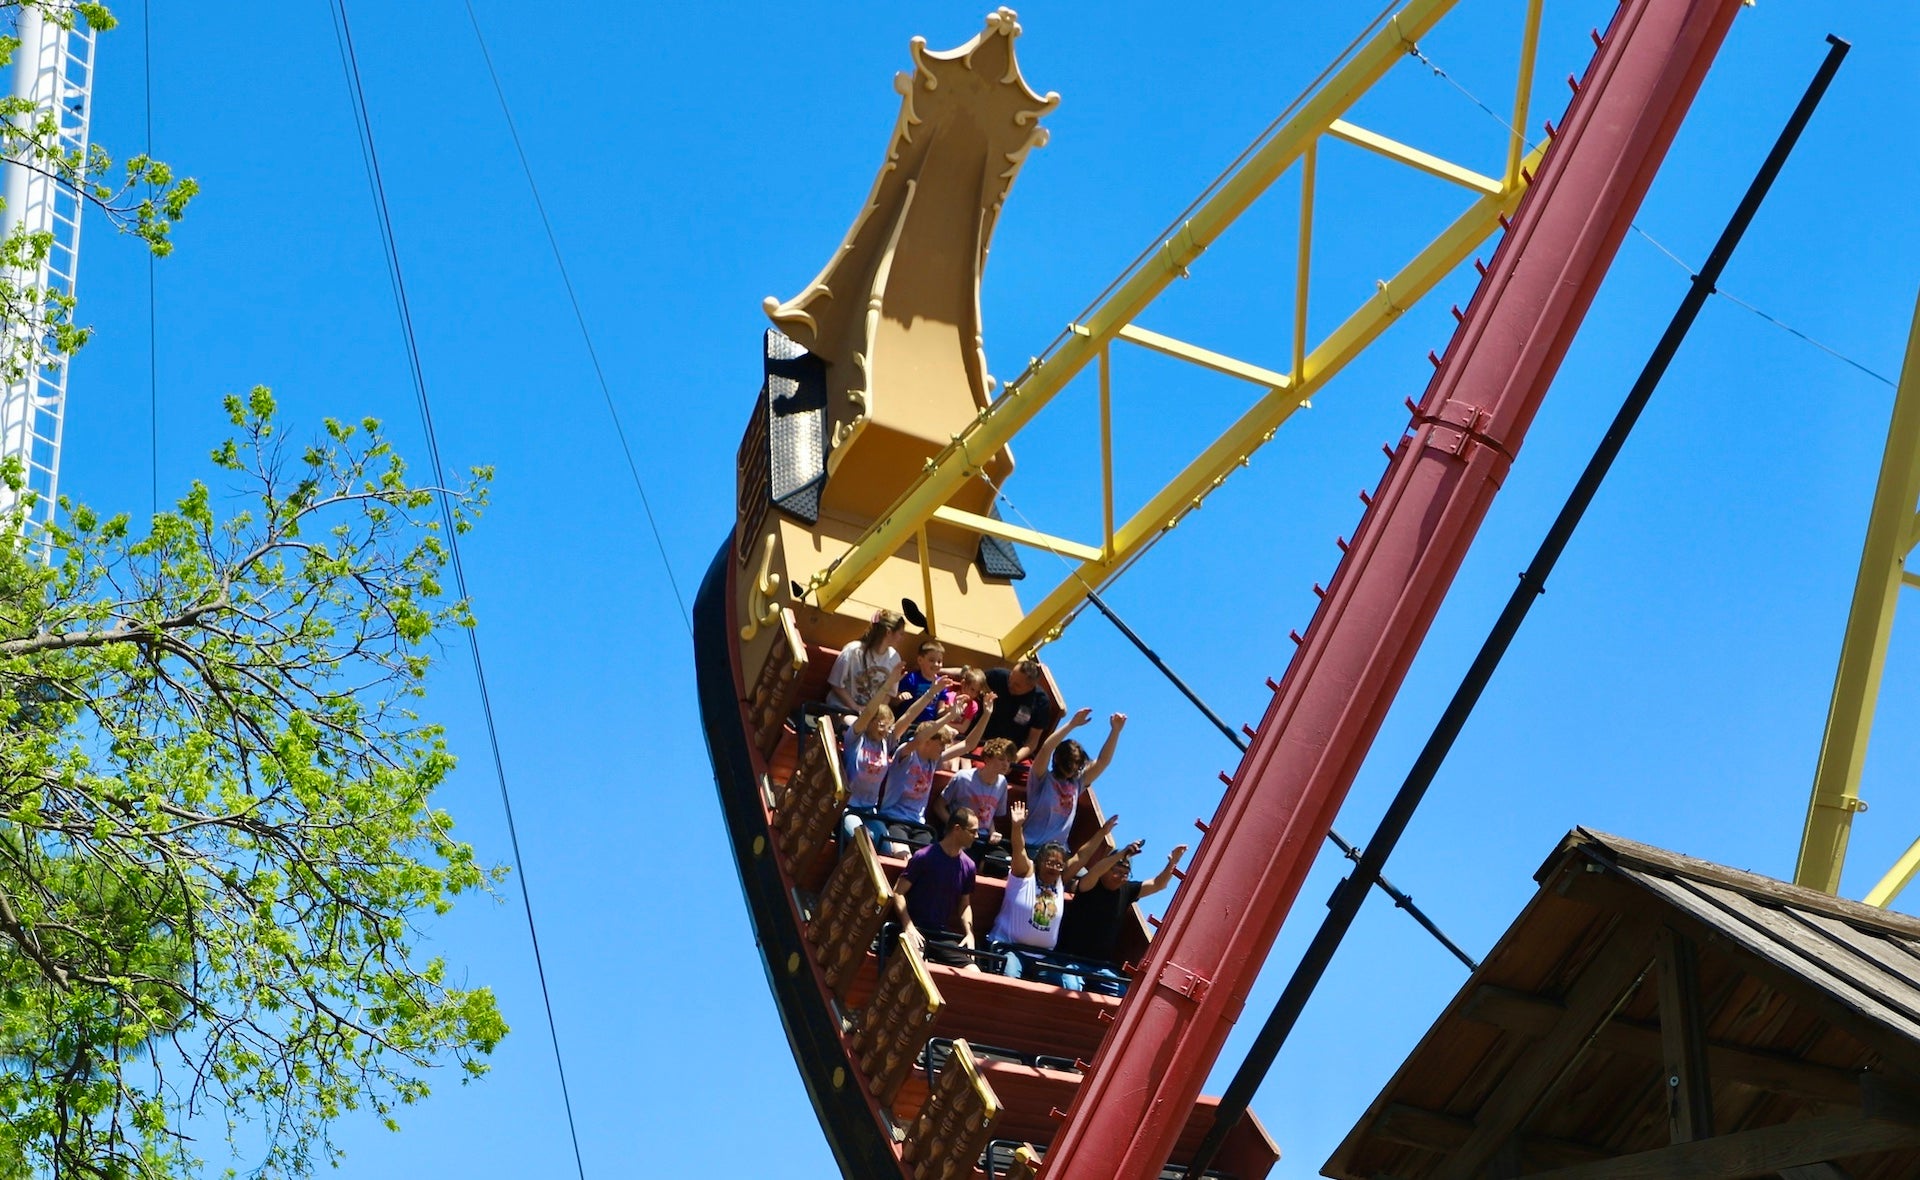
(1026, 962)
(1075, 975)
(863, 817)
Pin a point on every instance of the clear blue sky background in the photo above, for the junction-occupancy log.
(1670, 687)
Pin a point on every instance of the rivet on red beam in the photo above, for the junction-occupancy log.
(1319, 591)
(1202, 825)
(1526, 176)
(1055, 1112)
(1271, 686)
(1548, 124)
(1481, 267)
(1595, 34)
(1130, 969)
(1153, 921)
(1366, 497)
(1249, 730)
(1411, 408)
(1082, 1064)
(1504, 223)
(1460, 317)
(1104, 1015)
(1386, 450)
(1434, 357)
(1342, 541)
(1297, 641)
(1226, 778)
(1180, 874)
(1573, 83)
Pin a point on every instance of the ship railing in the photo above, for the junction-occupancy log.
(947, 1137)
(895, 1022)
(776, 686)
(851, 909)
(809, 807)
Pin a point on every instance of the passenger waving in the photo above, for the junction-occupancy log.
(870, 749)
(1054, 794)
(909, 783)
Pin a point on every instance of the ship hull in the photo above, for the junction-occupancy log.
(861, 1146)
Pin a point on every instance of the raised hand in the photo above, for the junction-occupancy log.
(1018, 813)
(1116, 720)
(1080, 718)
(1173, 858)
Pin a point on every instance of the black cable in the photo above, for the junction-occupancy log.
(1345, 904)
(580, 317)
(1400, 899)
(343, 33)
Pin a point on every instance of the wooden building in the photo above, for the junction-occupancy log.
(1651, 1015)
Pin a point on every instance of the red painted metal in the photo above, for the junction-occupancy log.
(1416, 530)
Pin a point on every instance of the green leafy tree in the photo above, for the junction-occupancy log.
(216, 835)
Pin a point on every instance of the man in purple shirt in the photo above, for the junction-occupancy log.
(935, 892)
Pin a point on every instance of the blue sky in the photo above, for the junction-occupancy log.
(1670, 687)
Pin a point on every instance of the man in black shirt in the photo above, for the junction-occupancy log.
(1024, 712)
(1091, 927)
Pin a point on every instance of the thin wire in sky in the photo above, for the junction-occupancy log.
(363, 126)
(1682, 263)
(579, 317)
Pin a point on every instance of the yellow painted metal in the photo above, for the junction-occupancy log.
(1013, 532)
(1863, 649)
(1257, 425)
(1413, 157)
(1303, 260)
(926, 576)
(995, 426)
(1106, 451)
(1898, 877)
(1205, 358)
(1523, 89)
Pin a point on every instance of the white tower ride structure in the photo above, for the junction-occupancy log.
(53, 69)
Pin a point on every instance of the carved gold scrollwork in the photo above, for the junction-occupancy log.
(762, 605)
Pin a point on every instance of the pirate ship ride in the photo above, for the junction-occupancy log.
(867, 479)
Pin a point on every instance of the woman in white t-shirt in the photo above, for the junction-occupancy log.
(863, 666)
(1029, 918)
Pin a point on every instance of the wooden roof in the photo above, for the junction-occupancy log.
(1653, 1015)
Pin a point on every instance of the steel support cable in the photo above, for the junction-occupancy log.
(1678, 261)
(1345, 904)
(1401, 900)
(579, 316)
(363, 125)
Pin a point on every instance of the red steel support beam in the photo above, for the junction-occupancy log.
(1411, 541)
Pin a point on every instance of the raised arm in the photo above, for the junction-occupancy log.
(1021, 867)
(1147, 888)
(905, 721)
(1105, 865)
(972, 738)
(878, 699)
(1043, 757)
(1087, 851)
(1118, 722)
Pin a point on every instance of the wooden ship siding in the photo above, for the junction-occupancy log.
(871, 1133)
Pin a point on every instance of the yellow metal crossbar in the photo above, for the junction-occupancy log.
(1432, 165)
(1863, 651)
(1013, 532)
(1206, 359)
(1319, 116)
